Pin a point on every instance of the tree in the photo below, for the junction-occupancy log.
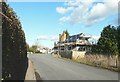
(67, 33)
(33, 48)
(108, 43)
(118, 38)
(27, 45)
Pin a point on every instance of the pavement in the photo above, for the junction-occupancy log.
(50, 68)
(30, 74)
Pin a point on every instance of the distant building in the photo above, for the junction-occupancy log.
(42, 49)
(78, 42)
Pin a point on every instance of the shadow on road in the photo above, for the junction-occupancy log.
(38, 78)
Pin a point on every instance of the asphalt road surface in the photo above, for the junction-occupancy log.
(50, 68)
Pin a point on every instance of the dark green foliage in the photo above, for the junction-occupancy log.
(118, 38)
(95, 49)
(33, 48)
(14, 49)
(67, 33)
(108, 42)
(27, 45)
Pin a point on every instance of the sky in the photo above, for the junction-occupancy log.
(42, 22)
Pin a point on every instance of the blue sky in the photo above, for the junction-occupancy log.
(44, 21)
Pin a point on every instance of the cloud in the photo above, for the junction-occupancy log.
(64, 19)
(76, 16)
(88, 12)
(63, 10)
(51, 37)
(101, 11)
(73, 3)
(95, 37)
(54, 38)
(78, 2)
(42, 37)
(98, 13)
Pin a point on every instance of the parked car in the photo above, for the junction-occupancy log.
(29, 52)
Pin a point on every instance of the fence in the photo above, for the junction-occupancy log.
(106, 61)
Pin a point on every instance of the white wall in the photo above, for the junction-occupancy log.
(76, 54)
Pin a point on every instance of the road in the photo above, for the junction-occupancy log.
(51, 68)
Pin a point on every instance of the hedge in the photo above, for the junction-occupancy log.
(14, 49)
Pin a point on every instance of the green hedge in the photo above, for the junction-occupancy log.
(14, 49)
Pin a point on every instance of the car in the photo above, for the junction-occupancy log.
(29, 52)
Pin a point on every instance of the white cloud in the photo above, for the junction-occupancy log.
(76, 16)
(98, 13)
(88, 12)
(78, 2)
(95, 37)
(63, 10)
(101, 11)
(54, 38)
(64, 19)
(73, 3)
(51, 37)
(42, 37)
(112, 4)
(78, 13)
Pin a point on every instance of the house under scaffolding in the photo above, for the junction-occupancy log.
(77, 42)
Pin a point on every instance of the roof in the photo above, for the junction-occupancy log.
(73, 38)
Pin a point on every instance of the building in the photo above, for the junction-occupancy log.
(42, 49)
(79, 42)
